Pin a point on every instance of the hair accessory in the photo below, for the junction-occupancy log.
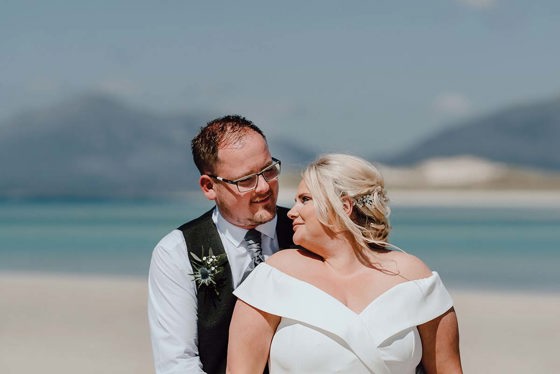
(374, 198)
(365, 200)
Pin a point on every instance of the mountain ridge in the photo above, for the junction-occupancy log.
(525, 135)
(97, 146)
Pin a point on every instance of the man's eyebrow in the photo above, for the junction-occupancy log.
(255, 172)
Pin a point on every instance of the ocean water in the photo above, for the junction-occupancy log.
(474, 248)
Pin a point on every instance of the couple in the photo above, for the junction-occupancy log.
(345, 303)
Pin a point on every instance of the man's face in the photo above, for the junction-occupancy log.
(248, 156)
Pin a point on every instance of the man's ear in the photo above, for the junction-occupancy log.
(347, 205)
(207, 186)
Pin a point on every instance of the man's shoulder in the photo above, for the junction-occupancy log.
(172, 240)
(171, 251)
(204, 218)
(282, 216)
(282, 212)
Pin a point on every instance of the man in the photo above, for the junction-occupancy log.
(195, 268)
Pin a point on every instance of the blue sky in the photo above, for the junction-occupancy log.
(367, 77)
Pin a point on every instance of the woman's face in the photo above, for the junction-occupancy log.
(308, 231)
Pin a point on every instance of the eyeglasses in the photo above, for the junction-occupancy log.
(249, 182)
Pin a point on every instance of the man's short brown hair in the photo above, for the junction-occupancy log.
(215, 134)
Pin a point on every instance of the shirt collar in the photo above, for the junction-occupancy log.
(236, 234)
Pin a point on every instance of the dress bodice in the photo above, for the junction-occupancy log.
(318, 333)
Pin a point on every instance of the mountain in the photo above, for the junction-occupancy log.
(524, 135)
(95, 146)
(468, 173)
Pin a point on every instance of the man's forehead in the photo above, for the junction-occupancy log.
(238, 139)
(240, 166)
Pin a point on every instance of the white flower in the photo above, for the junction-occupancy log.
(207, 270)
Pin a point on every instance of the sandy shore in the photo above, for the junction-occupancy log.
(63, 324)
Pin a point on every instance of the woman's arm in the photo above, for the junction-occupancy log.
(250, 334)
(440, 344)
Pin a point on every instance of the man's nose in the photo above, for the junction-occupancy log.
(262, 184)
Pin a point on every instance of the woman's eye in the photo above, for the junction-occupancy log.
(305, 199)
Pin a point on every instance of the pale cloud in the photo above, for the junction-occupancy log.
(479, 4)
(452, 104)
(42, 85)
(118, 87)
(265, 109)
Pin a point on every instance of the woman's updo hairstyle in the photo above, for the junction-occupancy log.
(333, 179)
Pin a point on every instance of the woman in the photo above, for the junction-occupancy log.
(347, 303)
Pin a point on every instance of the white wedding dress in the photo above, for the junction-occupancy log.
(319, 334)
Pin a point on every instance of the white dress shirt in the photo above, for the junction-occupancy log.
(172, 302)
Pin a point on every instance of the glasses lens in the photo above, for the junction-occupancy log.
(271, 172)
(247, 184)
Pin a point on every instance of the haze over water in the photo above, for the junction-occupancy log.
(480, 248)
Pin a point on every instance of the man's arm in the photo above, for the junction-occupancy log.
(172, 308)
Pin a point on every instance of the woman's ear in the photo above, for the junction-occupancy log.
(347, 205)
(207, 185)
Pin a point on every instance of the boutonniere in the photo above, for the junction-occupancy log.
(207, 270)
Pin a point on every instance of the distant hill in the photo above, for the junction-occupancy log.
(524, 135)
(95, 146)
(468, 173)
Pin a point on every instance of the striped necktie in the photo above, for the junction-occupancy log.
(253, 239)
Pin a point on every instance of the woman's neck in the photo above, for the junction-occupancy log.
(342, 259)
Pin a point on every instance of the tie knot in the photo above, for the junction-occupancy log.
(253, 237)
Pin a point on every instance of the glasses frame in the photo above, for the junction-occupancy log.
(275, 162)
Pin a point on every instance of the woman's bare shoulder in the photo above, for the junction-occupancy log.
(288, 260)
(407, 265)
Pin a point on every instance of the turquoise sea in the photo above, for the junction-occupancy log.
(476, 248)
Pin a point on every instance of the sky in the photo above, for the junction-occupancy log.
(365, 77)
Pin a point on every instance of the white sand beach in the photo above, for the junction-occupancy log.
(77, 324)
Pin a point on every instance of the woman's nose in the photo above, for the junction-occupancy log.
(292, 213)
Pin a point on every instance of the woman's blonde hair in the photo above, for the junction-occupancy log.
(333, 179)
